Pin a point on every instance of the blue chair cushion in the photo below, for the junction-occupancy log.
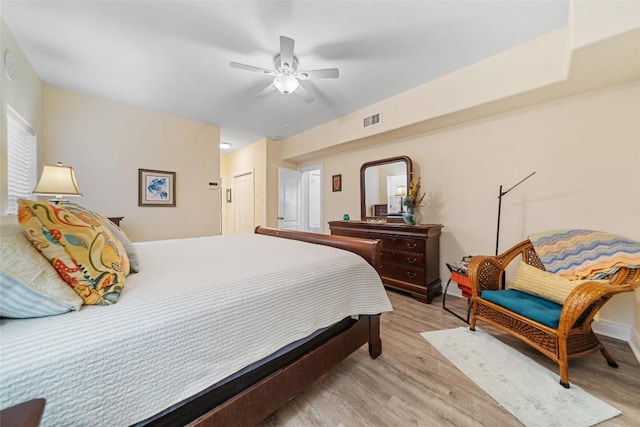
(532, 307)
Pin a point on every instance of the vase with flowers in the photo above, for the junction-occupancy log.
(412, 202)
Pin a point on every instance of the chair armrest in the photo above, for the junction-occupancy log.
(486, 272)
(579, 305)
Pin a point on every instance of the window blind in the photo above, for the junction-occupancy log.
(21, 160)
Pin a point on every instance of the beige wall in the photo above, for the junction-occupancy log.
(593, 21)
(252, 158)
(107, 142)
(263, 158)
(24, 95)
(584, 149)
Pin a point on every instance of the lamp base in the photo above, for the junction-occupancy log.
(57, 200)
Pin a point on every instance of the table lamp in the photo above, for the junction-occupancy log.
(57, 181)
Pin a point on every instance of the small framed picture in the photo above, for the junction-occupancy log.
(156, 188)
(336, 183)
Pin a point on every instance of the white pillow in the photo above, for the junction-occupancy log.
(29, 285)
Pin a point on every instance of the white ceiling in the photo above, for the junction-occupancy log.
(173, 56)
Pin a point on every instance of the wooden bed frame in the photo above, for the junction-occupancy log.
(257, 401)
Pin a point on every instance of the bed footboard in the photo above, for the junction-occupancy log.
(368, 249)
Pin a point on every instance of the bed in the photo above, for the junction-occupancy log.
(218, 330)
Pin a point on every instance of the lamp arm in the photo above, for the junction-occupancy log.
(500, 194)
(519, 182)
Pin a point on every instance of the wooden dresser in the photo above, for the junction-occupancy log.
(410, 254)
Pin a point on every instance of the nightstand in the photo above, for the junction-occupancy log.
(116, 220)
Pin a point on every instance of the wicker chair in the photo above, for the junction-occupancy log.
(573, 337)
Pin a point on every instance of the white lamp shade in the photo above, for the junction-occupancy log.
(57, 180)
(286, 84)
(401, 191)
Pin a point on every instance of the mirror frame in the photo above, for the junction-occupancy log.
(363, 206)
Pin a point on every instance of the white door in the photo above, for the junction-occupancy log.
(242, 199)
(314, 201)
(289, 199)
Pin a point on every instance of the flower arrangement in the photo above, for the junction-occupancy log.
(414, 199)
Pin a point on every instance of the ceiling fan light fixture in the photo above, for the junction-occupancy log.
(286, 84)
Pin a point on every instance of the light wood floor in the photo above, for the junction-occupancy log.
(412, 384)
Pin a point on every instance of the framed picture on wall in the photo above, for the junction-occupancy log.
(336, 183)
(156, 188)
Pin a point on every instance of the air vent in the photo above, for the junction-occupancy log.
(372, 120)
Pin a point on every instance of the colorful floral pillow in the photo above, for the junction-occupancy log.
(93, 217)
(85, 255)
(132, 253)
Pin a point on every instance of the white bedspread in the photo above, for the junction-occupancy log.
(199, 310)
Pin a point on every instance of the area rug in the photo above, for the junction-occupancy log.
(529, 391)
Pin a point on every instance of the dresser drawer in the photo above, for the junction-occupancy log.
(406, 259)
(406, 244)
(403, 274)
(394, 243)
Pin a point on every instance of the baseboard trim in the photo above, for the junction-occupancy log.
(612, 329)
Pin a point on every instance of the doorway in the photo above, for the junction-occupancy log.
(300, 199)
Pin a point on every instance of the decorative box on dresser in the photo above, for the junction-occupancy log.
(410, 254)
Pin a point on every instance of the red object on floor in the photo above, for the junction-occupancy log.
(463, 283)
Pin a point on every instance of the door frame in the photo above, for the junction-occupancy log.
(305, 196)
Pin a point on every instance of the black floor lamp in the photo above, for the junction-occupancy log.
(500, 194)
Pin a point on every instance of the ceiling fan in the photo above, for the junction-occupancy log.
(286, 73)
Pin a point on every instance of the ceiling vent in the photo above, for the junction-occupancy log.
(372, 120)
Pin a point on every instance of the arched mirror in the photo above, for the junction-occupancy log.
(383, 184)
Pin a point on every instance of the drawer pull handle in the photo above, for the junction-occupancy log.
(411, 260)
(411, 245)
(411, 275)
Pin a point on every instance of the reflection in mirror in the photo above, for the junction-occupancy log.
(383, 185)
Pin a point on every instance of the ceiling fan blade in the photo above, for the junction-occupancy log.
(327, 73)
(286, 51)
(251, 68)
(266, 91)
(306, 96)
